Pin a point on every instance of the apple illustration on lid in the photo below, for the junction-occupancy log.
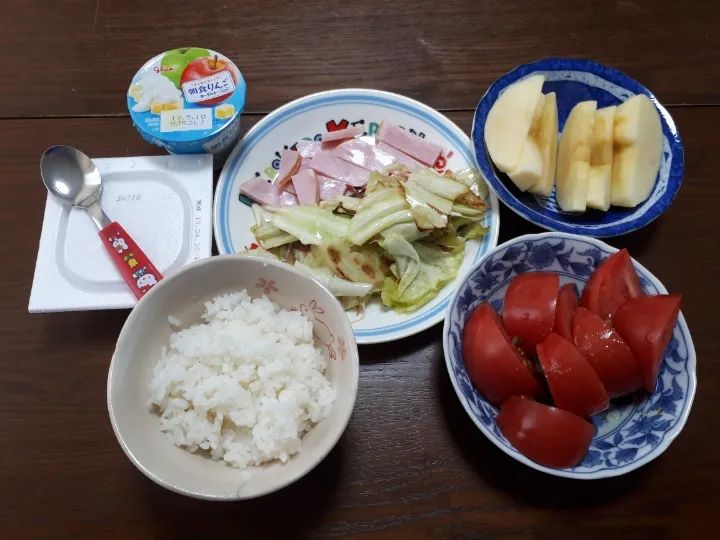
(213, 70)
(173, 62)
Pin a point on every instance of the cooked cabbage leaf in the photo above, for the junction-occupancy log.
(378, 210)
(335, 284)
(474, 180)
(353, 264)
(402, 236)
(421, 270)
(439, 185)
(311, 225)
(428, 210)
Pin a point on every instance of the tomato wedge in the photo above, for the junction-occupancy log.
(610, 285)
(496, 368)
(567, 302)
(646, 324)
(607, 353)
(529, 306)
(547, 435)
(574, 385)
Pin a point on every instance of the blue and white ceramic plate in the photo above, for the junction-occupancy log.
(634, 430)
(574, 81)
(258, 154)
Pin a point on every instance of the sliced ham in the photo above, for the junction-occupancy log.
(307, 149)
(262, 191)
(306, 186)
(424, 151)
(289, 165)
(342, 134)
(305, 164)
(409, 162)
(331, 188)
(364, 155)
(328, 165)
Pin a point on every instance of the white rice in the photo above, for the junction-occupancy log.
(245, 385)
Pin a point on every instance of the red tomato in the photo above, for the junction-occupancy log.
(573, 383)
(529, 306)
(496, 368)
(646, 324)
(607, 353)
(550, 436)
(613, 282)
(567, 302)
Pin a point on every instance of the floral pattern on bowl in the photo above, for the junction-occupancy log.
(147, 330)
(635, 429)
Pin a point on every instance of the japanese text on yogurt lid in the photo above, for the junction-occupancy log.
(188, 101)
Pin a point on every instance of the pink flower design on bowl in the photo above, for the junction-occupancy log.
(267, 285)
(342, 349)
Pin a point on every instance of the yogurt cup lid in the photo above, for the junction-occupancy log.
(186, 95)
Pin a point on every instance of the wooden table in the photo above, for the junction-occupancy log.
(411, 464)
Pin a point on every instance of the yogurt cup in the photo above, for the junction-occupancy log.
(189, 101)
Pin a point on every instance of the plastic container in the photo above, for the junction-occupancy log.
(164, 203)
(189, 101)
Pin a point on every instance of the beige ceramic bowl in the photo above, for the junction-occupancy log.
(147, 330)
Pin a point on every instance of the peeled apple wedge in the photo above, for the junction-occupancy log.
(573, 161)
(509, 120)
(601, 160)
(545, 135)
(529, 169)
(637, 139)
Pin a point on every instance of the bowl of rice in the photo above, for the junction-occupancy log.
(232, 378)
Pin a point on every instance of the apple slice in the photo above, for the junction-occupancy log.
(509, 120)
(573, 161)
(638, 141)
(529, 169)
(546, 138)
(601, 160)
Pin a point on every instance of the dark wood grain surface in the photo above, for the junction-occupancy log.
(411, 464)
(76, 57)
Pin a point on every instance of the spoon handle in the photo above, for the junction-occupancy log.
(136, 269)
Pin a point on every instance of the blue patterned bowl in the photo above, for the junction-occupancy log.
(574, 81)
(634, 430)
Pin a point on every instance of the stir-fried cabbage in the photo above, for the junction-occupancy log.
(402, 237)
(420, 270)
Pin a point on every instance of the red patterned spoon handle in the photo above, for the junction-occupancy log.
(136, 269)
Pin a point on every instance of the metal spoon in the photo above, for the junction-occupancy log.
(73, 179)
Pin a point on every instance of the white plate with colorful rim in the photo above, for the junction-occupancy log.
(258, 153)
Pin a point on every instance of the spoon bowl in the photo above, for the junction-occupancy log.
(70, 176)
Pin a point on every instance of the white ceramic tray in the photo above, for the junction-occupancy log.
(164, 203)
